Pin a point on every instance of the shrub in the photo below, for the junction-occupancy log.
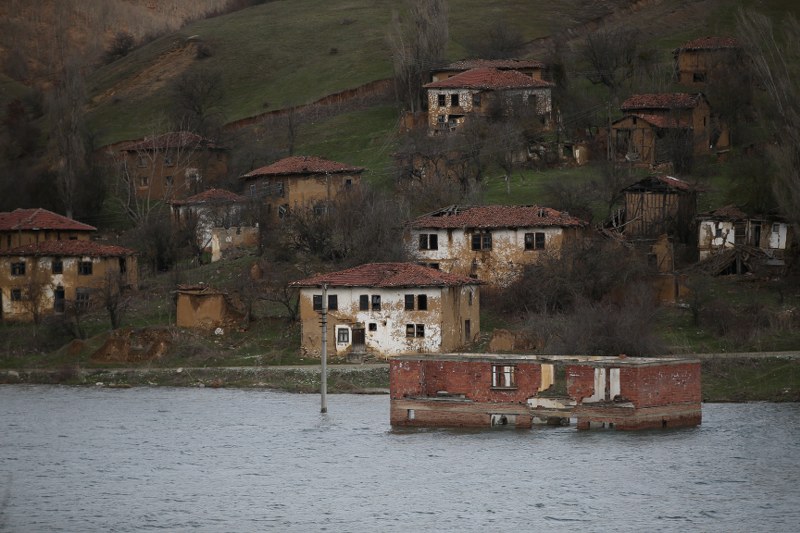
(122, 44)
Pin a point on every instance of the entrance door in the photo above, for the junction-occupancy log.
(58, 300)
(756, 228)
(467, 331)
(359, 342)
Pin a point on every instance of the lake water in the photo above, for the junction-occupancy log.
(82, 459)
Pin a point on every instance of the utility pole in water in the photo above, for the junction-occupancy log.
(324, 377)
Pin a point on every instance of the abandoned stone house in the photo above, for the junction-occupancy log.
(490, 242)
(173, 165)
(42, 278)
(667, 128)
(480, 92)
(729, 231)
(204, 307)
(658, 205)
(300, 182)
(31, 226)
(530, 67)
(384, 309)
(220, 220)
(706, 59)
(483, 390)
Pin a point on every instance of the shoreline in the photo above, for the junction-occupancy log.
(772, 377)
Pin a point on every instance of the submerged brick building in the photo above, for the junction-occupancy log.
(482, 390)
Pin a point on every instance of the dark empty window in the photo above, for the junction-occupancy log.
(454, 100)
(428, 241)
(333, 302)
(376, 302)
(415, 330)
(442, 100)
(476, 100)
(16, 295)
(18, 269)
(58, 266)
(373, 326)
(85, 268)
(409, 301)
(534, 241)
(317, 302)
(699, 77)
(422, 302)
(482, 241)
(363, 302)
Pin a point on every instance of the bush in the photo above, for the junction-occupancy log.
(122, 44)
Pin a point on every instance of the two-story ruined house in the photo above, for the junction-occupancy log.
(668, 127)
(30, 226)
(482, 91)
(389, 308)
(40, 278)
(172, 165)
(219, 220)
(300, 182)
(707, 59)
(490, 242)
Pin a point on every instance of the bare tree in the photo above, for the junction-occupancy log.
(500, 40)
(417, 40)
(775, 58)
(113, 297)
(613, 56)
(197, 97)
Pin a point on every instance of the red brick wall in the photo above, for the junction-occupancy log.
(580, 381)
(472, 379)
(660, 385)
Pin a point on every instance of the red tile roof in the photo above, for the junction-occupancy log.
(70, 248)
(173, 139)
(489, 78)
(659, 121)
(302, 165)
(212, 196)
(500, 64)
(658, 182)
(710, 43)
(387, 275)
(728, 212)
(496, 216)
(661, 101)
(40, 219)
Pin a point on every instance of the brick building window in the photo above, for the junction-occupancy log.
(428, 241)
(534, 241)
(18, 269)
(482, 241)
(503, 377)
(58, 266)
(415, 330)
(363, 302)
(85, 268)
(16, 295)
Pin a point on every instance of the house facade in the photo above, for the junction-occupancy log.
(728, 227)
(42, 278)
(659, 205)
(529, 67)
(30, 226)
(219, 218)
(660, 128)
(484, 390)
(203, 307)
(705, 59)
(173, 165)
(480, 91)
(491, 243)
(300, 182)
(384, 309)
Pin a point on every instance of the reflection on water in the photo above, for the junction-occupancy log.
(249, 460)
